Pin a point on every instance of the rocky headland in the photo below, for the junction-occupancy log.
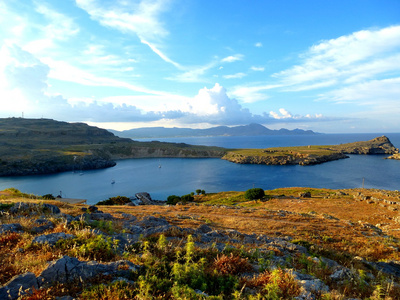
(44, 146)
(310, 155)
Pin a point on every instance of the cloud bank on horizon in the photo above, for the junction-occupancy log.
(135, 63)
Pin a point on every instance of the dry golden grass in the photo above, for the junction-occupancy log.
(338, 223)
(334, 224)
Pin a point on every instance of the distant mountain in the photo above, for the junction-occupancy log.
(162, 132)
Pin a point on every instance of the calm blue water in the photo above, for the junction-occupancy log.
(181, 176)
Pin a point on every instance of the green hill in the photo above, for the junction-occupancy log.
(41, 146)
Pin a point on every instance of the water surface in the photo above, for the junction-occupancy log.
(179, 176)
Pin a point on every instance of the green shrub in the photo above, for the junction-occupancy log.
(187, 198)
(116, 290)
(173, 199)
(6, 206)
(94, 248)
(254, 194)
(48, 197)
(119, 200)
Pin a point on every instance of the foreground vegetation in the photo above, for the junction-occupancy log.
(264, 248)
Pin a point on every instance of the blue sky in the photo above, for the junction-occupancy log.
(328, 66)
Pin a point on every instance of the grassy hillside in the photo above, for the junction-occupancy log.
(37, 146)
(221, 246)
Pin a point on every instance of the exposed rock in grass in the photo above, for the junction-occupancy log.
(28, 208)
(68, 269)
(151, 221)
(100, 216)
(14, 227)
(18, 286)
(43, 226)
(52, 238)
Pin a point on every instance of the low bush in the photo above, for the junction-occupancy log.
(173, 199)
(254, 194)
(119, 200)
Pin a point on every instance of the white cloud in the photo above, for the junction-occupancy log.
(358, 56)
(193, 74)
(232, 58)
(60, 27)
(257, 69)
(24, 87)
(349, 68)
(64, 71)
(162, 55)
(138, 17)
(235, 76)
(286, 116)
(376, 93)
(249, 94)
(213, 106)
(258, 45)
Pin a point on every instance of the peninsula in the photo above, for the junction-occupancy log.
(309, 155)
(45, 146)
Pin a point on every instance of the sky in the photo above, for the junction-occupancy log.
(330, 66)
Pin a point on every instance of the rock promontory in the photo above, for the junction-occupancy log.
(310, 155)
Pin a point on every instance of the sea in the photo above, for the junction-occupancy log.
(179, 176)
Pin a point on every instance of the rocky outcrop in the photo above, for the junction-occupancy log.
(379, 145)
(293, 159)
(394, 156)
(303, 156)
(63, 270)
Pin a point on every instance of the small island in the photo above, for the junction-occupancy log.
(309, 155)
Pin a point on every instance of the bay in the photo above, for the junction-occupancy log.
(179, 176)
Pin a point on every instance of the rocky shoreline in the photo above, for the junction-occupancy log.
(293, 159)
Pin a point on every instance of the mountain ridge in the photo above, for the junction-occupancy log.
(242, 130)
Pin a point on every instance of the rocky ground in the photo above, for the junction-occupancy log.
(219, 247)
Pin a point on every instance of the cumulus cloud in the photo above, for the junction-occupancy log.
(286, 115)
(213, 106)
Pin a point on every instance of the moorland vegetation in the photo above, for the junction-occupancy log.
(293, 243)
